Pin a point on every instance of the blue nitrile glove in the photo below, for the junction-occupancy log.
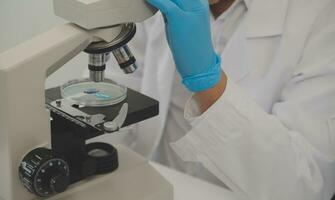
(189, 37)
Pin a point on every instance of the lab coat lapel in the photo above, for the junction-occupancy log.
(150, 131)
(234, 57)
(157, 83)
(264, 19)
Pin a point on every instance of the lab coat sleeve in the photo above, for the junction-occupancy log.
(285, 154)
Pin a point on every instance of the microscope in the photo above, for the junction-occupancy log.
(45, 151)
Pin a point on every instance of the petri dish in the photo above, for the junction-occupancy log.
(87, 93)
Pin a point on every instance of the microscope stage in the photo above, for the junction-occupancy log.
(140, 108)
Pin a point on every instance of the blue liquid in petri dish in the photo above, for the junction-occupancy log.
(91, 91)
(103, 96)
(93, 94)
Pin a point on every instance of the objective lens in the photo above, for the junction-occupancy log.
(97, 66)
(125, 59)
(97, 76)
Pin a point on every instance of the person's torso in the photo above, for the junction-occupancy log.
(260, 56)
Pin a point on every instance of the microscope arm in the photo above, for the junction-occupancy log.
(24, 121)
(49, 51)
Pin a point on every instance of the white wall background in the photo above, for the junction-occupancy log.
(21, 20)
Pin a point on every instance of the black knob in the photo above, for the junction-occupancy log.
(42, 174)
(59, 183)
(105, 157)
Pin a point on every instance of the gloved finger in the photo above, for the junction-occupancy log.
(190, 5)
(165, 6)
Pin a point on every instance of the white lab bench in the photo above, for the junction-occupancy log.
(189, 188)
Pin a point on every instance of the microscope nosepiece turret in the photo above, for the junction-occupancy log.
(99, 53)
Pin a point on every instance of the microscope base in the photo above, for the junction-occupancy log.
(134, 179)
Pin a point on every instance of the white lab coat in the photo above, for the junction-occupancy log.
(272, 134)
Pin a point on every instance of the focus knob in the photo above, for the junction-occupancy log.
(104, 155)
(59, 183)
(42, 174)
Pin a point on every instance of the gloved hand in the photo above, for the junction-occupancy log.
(189, 37)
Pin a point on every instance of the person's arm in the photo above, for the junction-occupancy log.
(205, 99)
(189, 37)
(288, 154)
(187, 24)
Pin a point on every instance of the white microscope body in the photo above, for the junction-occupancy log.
(102, 13)
(25, 122)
